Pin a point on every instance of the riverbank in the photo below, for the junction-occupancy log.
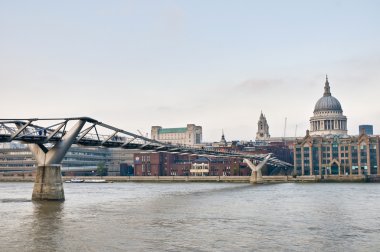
(227, 179)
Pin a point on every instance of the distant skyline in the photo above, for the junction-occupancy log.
(135, 64)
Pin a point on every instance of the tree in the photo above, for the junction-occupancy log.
(101, 170)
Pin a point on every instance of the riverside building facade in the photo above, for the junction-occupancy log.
(15, 158)
(328, 150)
(171, 164)
(337, 155)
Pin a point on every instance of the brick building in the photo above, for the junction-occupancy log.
(170, 164)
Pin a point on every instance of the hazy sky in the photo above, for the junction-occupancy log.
(134, 64)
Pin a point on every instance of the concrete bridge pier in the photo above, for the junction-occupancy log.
(256, 178)
(48, 184)
(256, 175)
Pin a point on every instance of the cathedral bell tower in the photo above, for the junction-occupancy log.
(262, 129)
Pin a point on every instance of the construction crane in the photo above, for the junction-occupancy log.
(285, 127)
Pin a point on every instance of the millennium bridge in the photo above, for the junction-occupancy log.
(49, 139)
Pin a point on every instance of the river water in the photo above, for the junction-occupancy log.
(193, 217)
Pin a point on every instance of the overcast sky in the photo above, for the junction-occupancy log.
(134, 64)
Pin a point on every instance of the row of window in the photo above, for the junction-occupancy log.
(342, 148)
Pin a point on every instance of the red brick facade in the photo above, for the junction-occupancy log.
(168, 164)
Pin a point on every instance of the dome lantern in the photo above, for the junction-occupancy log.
(327, 88)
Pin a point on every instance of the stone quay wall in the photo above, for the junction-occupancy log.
(229, 179)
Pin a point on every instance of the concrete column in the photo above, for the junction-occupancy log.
(48, 183)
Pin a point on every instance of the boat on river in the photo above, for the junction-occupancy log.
(95, 181)
(75, 180)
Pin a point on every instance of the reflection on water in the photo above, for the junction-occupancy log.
(14, 200)
(192, 217)
(46, 225)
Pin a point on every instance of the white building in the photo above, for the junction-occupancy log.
(189, 135)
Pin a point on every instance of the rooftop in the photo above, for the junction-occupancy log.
(172, 130)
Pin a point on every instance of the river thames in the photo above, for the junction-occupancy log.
(193, 217)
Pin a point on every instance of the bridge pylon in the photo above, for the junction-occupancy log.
(48, 183)
(256, 174)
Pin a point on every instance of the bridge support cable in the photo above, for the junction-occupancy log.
(85, 132)
(21, 127)
(109, 138)
(56, 131)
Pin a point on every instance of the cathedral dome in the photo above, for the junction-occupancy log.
(328, 116)
(328, 102)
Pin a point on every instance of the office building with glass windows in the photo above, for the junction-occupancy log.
(368, 129)
(337, 155)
